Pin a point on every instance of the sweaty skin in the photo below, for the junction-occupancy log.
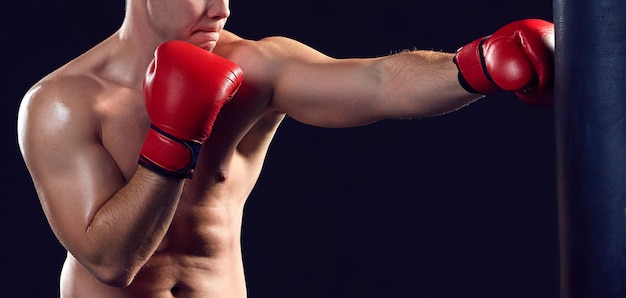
(130, 232)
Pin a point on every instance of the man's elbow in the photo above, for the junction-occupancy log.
(118, 276)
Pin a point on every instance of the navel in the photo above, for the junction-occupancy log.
(174, 290)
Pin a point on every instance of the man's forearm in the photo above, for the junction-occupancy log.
(128, 228)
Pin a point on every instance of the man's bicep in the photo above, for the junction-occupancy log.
(334, 93)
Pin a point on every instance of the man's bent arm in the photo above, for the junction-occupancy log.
(112, 227)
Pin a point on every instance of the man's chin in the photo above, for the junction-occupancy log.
(209, 45)
(205, 40)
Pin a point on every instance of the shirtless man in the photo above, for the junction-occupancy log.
(145, 229)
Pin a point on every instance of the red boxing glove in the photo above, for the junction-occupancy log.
(185, 88)
(519, 58)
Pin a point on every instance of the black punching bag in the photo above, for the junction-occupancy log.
(590, 90)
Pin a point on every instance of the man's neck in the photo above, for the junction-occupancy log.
(128, 57)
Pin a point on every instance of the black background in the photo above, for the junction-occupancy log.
(461, 205)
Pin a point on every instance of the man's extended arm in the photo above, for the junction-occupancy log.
(316, 89)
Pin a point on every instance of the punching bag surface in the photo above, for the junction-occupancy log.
(590, 90)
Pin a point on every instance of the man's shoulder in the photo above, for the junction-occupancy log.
(269, 51)
(60, 95)
(63, 87)
(230, 44)
(256, 57)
